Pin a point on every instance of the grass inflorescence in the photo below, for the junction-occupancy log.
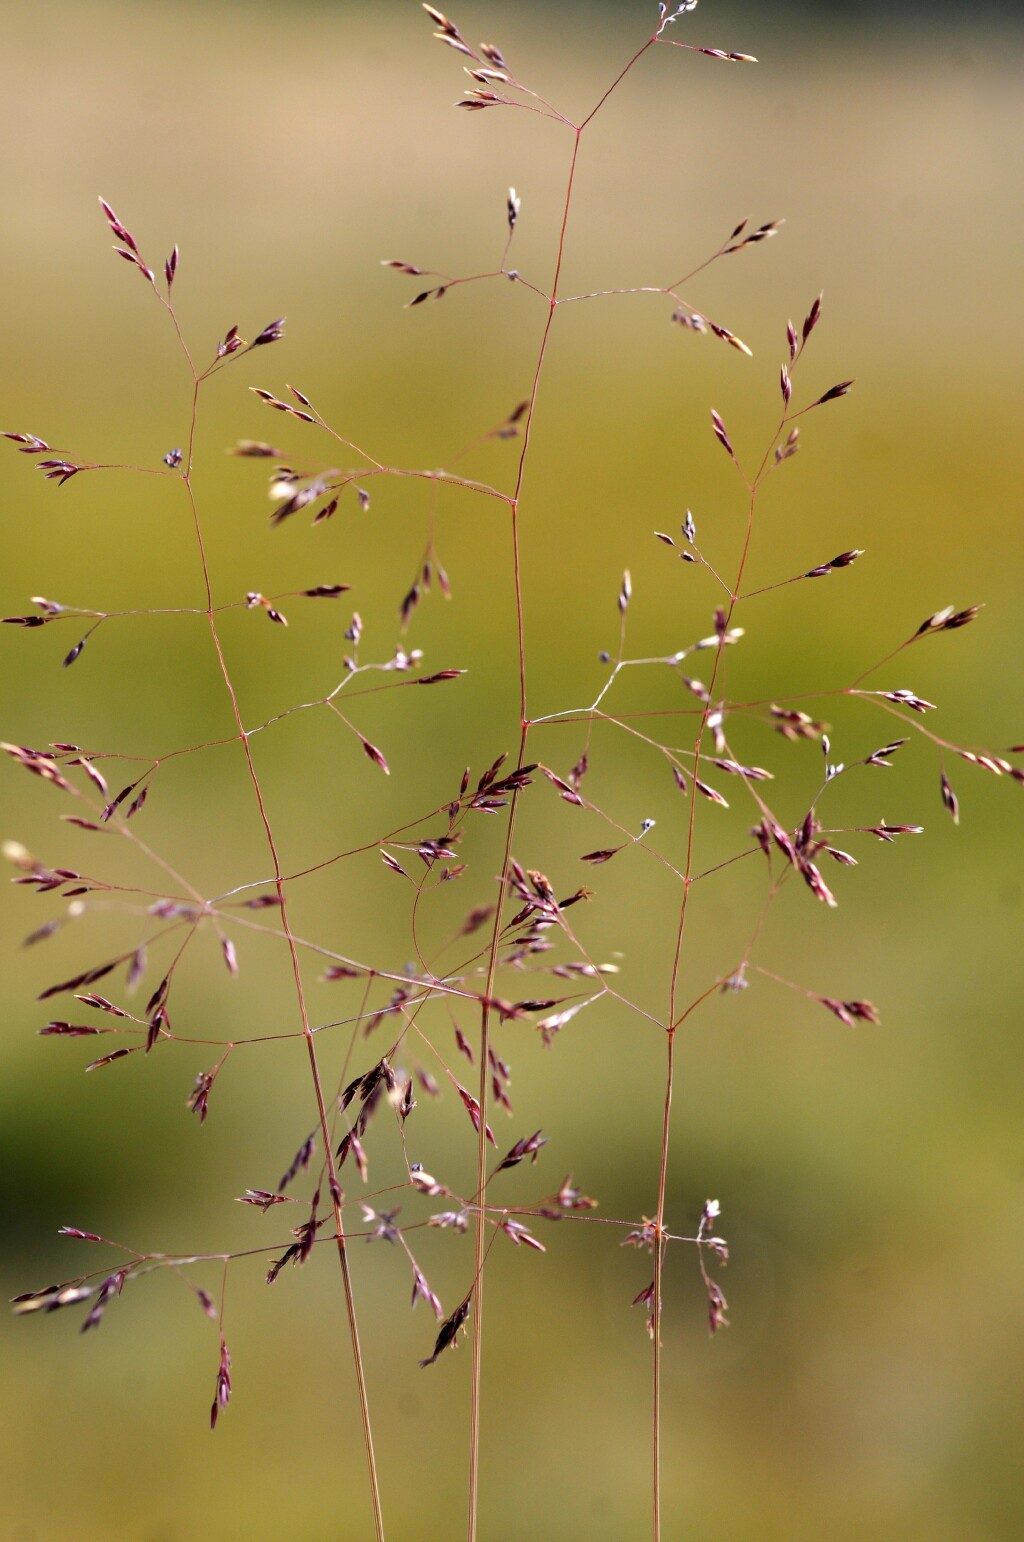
(440, 1013)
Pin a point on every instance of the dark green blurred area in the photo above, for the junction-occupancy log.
(870, 1182)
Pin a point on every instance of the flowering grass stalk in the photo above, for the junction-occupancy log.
(521, 955)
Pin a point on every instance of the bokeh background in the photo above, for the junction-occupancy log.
(870, 1181)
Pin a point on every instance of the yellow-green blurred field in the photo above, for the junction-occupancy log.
(870, 1181)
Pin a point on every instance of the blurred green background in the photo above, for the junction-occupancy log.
(870, 1181)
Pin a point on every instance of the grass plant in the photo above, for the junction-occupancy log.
(485, 908)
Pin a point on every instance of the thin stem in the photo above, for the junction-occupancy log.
(660, 1245)
(481, 1176)
(478, 1294)
(492, 961)
(325, 1129)
(659, 1225)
